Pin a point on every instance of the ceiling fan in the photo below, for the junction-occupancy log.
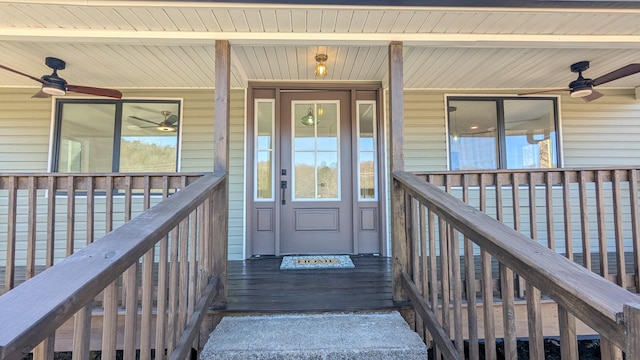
(167, 125)
(55, 85)
(583, 88)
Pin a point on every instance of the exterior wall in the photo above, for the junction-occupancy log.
(25, 126)
(24, 131)
(601, 133)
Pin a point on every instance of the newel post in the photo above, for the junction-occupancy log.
(632, 330)
(221, 164)
(398, 214)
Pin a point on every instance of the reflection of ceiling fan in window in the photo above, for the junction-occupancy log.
(167, 125)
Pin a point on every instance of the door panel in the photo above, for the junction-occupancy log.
(315, 154)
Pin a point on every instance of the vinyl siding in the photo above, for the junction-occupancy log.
(24, 131)
(605, 132)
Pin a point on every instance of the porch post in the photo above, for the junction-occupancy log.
(221, 164)
(398, 222)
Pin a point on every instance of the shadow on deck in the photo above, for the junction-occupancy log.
(259, 286)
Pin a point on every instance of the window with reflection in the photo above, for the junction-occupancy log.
(315, 153)
(367, 162)
(502, 133)
(116, 136)
(264, 167)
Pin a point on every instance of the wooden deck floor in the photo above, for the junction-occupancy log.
(258, 285)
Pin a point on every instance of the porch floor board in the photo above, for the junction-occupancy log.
(258, 285)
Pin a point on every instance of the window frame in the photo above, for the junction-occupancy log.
(117, 135)
(501, 127)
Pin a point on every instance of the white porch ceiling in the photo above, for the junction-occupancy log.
(144, 44)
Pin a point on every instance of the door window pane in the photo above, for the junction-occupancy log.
(315, 154)
(264, 170)
(366, 150)
(473, 135)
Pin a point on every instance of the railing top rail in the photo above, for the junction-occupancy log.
(80, 180)
(526, 171)
(39, 306)
(594, 300)
(527, 177)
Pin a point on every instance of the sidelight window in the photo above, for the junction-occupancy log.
(264, 143)
(367, 159)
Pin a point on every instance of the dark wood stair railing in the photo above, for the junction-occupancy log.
(184, 228)
(446, 237)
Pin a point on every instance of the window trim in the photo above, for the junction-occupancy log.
(54, 149)
(499, 99)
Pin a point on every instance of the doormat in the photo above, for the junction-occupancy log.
(316, 262)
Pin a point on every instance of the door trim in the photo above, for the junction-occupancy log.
(265, 243)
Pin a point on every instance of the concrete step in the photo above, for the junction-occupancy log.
(371, 336)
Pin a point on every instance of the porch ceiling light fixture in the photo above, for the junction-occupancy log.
(321, 67)
(308, 120)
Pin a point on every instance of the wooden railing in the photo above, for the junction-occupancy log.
(589, 215)
(446, 254)
(45, 218)
(170, 262)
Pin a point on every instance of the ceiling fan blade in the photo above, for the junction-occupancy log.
(617, 74)
(23, 74)
(172, 119)
(594, 95)
(40, 95)
(545, 91)
(95, 91)
(145, 120)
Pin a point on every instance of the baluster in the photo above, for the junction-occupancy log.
(602, 232)
(51, 220)
(635, 223)
(487, 284)
(534, 316)
(584, 220)
(568, 336)
(71, 214)
(31, 228)
(617, 226)
(551, 243)
(10, 266)
(470, 281)
(508, 313)
(82, 332)
(566, 207)
(161, 306)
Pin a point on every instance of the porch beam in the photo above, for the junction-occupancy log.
(221, 164)
(462, 40)
(399, 216)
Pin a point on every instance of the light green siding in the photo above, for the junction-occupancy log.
(424, 131)
(605, 132)
(24, 131)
